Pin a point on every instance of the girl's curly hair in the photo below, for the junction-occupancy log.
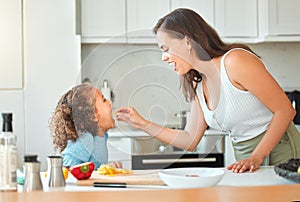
(75, 114)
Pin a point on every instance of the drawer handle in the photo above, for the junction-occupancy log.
(187, 160)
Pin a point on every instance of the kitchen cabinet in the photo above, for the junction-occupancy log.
(119, 149)
(235, 18)
(204, 7)
(120, 21)
(142, 16)
(103, 21)
(11, 68)
(284, 17)
(249, 21)
(229, 157)
(254, 21)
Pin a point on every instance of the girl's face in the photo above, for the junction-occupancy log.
(174, 51)
(103, 112)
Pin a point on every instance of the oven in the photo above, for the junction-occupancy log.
(150, 153)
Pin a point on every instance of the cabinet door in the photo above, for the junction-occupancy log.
(103, 20)
(119, 149)
(236, 18)
(284, 17)
(205, 8)
(11, 44)
(142, 16)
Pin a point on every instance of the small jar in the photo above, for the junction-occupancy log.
(32, 181)
(55, 172)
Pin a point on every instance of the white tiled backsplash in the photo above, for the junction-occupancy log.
(283, 61)
(139, 78)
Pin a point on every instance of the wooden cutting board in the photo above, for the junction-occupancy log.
(138, 177)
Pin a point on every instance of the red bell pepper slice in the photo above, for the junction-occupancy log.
(82, 171)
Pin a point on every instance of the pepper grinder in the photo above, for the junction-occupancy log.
(55, 172)
(32, 181)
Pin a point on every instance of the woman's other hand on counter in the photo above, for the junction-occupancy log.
(249, 164)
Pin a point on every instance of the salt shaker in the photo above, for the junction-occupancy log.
(55, 172)
(32, 181)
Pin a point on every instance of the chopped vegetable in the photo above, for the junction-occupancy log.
(109, 170)
(82, 171)
(65, 172)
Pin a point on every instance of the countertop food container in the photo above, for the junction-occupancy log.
(32, 181)
(55, 172)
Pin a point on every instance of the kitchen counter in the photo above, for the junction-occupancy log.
(131, 132)
(278, 193)
(265, 176)
(262, 185)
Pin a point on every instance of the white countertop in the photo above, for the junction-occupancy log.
(130, 132)
(263, 177)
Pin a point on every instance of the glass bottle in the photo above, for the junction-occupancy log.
(8, 155)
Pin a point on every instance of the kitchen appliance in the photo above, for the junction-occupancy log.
(150, 153)
(294, 97)
(176, 160)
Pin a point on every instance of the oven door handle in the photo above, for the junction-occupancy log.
(183, 160)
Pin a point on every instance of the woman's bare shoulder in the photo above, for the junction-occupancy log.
(243, 66)
(240, 56)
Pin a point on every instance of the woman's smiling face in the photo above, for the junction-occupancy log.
(174, 51)
(103, 111)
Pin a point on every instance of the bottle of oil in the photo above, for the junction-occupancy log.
(8, 155)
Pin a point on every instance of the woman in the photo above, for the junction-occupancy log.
(229, 89)
(79, 126)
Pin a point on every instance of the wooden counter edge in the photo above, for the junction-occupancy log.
(280, 193)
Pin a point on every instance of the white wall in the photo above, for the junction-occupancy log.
(51, 67)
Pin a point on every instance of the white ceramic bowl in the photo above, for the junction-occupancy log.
(191, 177)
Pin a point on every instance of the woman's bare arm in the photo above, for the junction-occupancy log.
(186, 139)
(247, 72)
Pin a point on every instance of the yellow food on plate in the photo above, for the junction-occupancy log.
(109, 170)
(298, 170)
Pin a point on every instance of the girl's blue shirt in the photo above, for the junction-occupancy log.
(86, 148)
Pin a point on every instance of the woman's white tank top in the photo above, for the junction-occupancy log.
(239, 112)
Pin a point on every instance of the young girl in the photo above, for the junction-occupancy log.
(79, 126)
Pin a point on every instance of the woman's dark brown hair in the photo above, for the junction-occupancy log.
(205, 41)
(74, 115)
